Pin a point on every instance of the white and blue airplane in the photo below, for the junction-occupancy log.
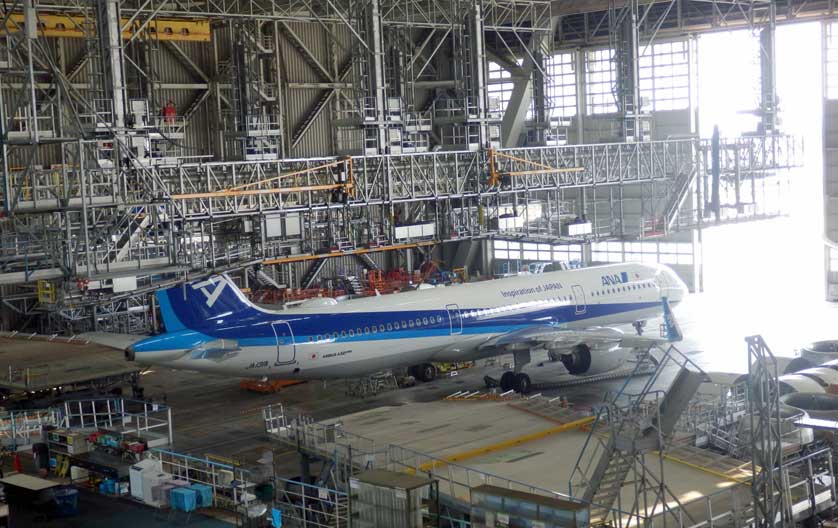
(211, 326)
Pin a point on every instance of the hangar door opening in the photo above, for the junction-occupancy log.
(764, 261)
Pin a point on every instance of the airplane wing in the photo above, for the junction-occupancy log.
(552, 337)
(117, 341)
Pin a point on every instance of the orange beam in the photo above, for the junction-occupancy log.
(494, 175)
(286, 175)
(302, 258)
(544, 171)
(244, 190)
(250, 192)
(67, 26)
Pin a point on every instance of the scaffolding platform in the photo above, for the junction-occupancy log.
(464, 444)
(31, 368)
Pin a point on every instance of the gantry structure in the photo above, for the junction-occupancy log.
(148, 141)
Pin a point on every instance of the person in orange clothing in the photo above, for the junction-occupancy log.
(169, 112)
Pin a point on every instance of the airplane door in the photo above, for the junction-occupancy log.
(455, 319)
(286, 349)
(579, 299)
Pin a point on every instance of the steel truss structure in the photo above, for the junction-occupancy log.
(109, 193)
(192, 217)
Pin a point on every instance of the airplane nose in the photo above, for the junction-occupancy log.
(129, 353)
(675, 289)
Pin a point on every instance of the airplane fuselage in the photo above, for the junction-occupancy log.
(326, 339)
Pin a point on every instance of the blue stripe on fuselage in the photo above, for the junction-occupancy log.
(256, 330)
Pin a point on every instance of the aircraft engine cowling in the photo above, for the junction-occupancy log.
(583, 360)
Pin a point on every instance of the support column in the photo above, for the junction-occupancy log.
(476, 90)
(581, 95)
(522, 95)
(530, 89)
(626, 52)
(378, 88)
(768, 74)
(114, 48)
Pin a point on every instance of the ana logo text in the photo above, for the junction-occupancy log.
(213, 295)
(615, 278)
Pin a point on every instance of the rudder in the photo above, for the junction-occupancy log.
(201, 303)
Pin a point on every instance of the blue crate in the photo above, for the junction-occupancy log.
(107, 487)
(183, 499)
(204, 494)
(66, 502)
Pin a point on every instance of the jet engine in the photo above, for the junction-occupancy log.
(584, 360)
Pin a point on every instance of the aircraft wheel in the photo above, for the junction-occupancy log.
(507, 381)
(522, 383)
(414, 371)
(427, 372)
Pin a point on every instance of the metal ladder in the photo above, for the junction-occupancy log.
(312, 273)
(367, 261)
(355, 285)
(626, 429)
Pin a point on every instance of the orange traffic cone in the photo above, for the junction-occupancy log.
(16, 463)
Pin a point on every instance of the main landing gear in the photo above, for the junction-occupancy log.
(515, 379)
(424, 372)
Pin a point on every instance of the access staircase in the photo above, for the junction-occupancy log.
(627, 428)
(680, 191)
(312, 273)
(263, 278)
(367, 261)
(353, 284)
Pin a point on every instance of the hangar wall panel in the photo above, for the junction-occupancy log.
(830, 184)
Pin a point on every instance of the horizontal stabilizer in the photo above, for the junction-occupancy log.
(117, 341)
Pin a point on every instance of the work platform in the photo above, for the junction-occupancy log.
(504, 443)
(503, 439)
(39, 366)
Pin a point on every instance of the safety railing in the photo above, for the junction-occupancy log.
(308, 505)
(231, 486)
(30, 377)
(19, 429)
(809, 489)
(125, 416)
(361, 453)
(354, 451)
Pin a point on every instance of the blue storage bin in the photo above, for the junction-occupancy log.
(107, 487)
(66, 502)
(184, 499)
(204, 494)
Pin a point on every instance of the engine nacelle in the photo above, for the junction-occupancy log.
(582, 360)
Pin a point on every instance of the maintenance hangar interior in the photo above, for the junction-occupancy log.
(338, 159)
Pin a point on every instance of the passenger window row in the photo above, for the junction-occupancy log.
(374, 329)
(624, 288)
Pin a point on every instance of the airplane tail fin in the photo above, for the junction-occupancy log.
(198, 304)
(670, 328)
